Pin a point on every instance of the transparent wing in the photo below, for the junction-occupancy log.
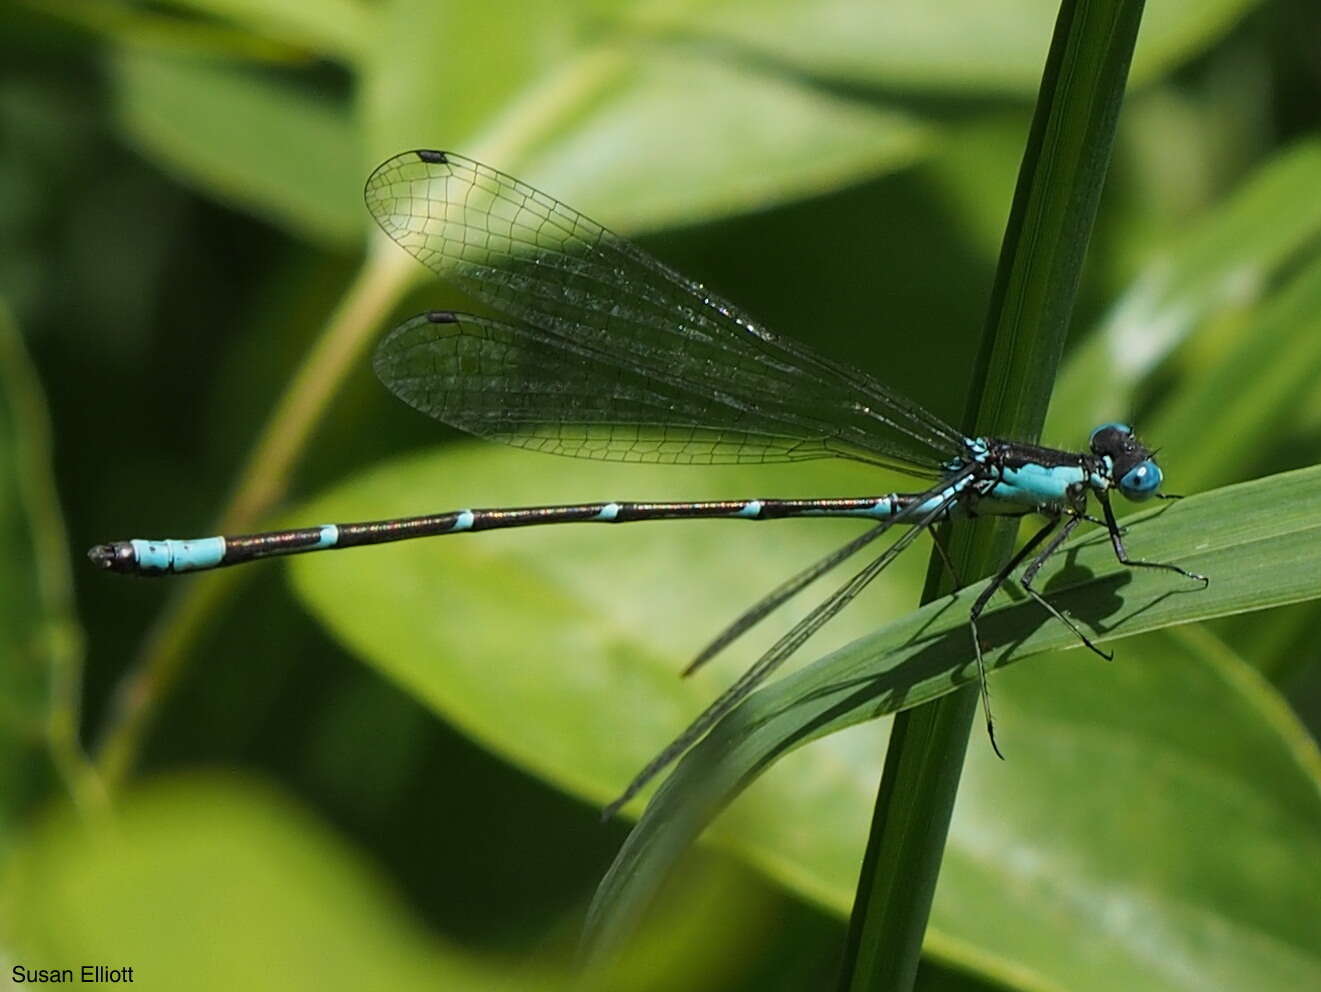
(515, 385)
(583, 291)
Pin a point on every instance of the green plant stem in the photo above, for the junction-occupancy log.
(265, 478)
(262, 484)
(1055, 204)
(59, 642)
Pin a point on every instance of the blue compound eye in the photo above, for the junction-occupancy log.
(1141, 481)
(1121, 428)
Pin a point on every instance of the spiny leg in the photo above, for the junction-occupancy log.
(1088, 517)
(944, 556)
(1117, 542)
(1030, 573)
(979, 605)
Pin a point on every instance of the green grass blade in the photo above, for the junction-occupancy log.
(1260, 542)
(1247, 400)
(1222, 263)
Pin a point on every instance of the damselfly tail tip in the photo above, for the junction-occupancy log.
(611, 809)
(117, 556)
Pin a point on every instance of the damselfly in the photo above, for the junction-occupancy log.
(614, 356)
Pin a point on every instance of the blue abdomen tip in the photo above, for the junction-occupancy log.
(179, 556)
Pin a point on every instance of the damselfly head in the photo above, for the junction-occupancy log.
(1136, 473)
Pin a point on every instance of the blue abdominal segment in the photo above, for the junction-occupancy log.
(158, 557)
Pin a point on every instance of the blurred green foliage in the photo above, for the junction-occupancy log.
(181, 215)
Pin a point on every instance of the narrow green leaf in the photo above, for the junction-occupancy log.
(24, 699)
(280, 153)
(1127, 787)
(1165, 808)
(1157, 825)
(1059, 185)
(1223, 263)
(1259, 541)
(1248, 397)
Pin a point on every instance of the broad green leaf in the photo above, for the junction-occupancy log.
(1221, 265)
(436, 74)
(681, 137)
(544, 642)
(244, 137)
(965, 46)
(1260, 541)
(652, 134)
(40, 642)
(647, 136)
(202, 882)
(334, 28)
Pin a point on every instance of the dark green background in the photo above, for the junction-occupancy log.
(180, 214)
